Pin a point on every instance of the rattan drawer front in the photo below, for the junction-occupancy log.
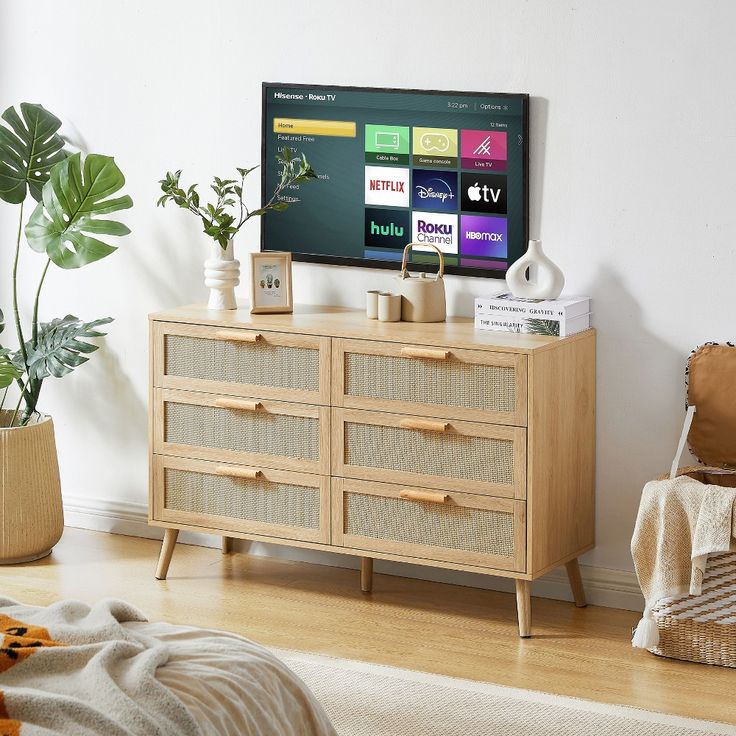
(460, 384)
(273, 434)
(274, 502)
(453, 527)
(242, 362)
(465, 456)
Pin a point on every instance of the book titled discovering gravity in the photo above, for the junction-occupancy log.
(508, 305)
(556, 317)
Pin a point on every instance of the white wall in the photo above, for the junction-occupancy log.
(633, 151)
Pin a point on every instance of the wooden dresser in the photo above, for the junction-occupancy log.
(433, 444)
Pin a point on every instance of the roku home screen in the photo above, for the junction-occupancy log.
(394, 167)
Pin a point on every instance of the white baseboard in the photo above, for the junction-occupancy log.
(603, 587)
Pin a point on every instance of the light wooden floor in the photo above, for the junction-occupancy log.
(419, 625)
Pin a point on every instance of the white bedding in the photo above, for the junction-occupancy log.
(232, 686)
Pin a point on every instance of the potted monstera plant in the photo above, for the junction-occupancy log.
(70, 195)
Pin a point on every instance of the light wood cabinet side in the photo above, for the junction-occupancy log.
(561, 454)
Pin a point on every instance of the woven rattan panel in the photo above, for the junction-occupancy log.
(244, 431)
(452, 455)
(259, 500)
(436, 525)
(260, 364)
(446, 382)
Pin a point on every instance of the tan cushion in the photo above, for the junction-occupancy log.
(712, 389)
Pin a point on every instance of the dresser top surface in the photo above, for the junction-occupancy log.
(330, 321)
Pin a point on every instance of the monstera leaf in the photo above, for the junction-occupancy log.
(72, 204)
(61, 347)
(28, 150)
(8, 372)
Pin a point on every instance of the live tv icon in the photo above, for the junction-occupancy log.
(483, 150)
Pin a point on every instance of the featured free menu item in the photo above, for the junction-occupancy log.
(442, 169)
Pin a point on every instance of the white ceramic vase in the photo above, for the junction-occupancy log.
(222, 275)
(534, 275)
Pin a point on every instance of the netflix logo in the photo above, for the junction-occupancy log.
(387, 186)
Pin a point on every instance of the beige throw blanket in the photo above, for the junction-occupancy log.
(680, 523)
(72, 670)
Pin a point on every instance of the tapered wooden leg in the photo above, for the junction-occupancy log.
(576, 583)
(227, 545)
(167, 550)
(366, 574)
(524, 607)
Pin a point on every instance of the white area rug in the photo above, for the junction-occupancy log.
(372, 700)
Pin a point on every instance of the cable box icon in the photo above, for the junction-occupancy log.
(387, 144)
(386, 141)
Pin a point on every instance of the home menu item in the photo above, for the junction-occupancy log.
(446, 170)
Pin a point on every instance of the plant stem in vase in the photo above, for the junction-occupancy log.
(222, 220)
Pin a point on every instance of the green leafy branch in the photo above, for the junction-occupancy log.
(222, 220)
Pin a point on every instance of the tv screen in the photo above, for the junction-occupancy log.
(397, 166)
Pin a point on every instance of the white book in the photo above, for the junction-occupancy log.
(508, 305)
(533, 325)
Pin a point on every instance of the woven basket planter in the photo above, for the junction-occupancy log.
(31, 515)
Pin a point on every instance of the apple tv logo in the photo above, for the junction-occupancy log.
(483, 193)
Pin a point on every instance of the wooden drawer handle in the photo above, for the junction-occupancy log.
(238, 336)
(425, 353)
(424, 496)
(234, 472)
(424, 424)
(240, 404)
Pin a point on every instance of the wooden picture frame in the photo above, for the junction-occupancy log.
(270, 283)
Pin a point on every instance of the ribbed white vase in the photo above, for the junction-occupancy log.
(222, 275)
(534, 275)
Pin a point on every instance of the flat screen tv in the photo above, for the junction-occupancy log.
(394, 166)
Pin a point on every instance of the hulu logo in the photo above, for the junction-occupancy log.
(396, 231)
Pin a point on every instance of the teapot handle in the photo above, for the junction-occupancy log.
(441, 271)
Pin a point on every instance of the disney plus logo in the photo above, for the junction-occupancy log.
(429, 192)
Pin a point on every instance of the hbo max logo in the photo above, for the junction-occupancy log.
(436, 228)
(483, 236)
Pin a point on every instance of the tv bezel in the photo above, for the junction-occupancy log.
(394, 264)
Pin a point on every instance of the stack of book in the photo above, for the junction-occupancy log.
(559, 317)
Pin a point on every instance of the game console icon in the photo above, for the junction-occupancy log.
(438, 142)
